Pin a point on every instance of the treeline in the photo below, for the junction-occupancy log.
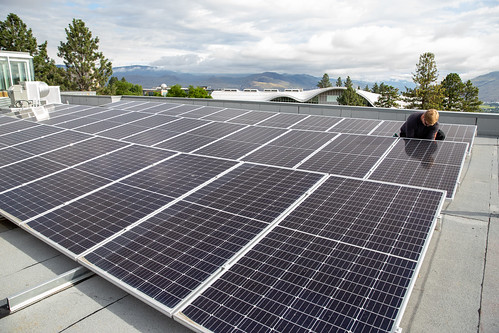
(450, 94)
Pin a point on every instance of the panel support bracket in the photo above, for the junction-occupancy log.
(28, 297)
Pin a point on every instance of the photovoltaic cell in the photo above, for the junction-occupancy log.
(201, 112)
(352, 165)
(28, 134)
(279, 156)
(150, 137)
(42, 195)
(354, 125)
(128, 117)
(255, 191)
(97, 127)
(84, 151)
(78, 226)
(321, 269)
(12, 155)
(124, 162)
(303, 139)
(388, 128)
(159, 107)
(360, 145)
(25, 171)
(172, 253)
(317, 123)
(121, 132)
(283, 120)
(225, 114)
(432, 164)
(13, 126)
(6, 119)
(251, 118)
(51, 142)
(154, 121)
(180, 109)
(179, 175)
(227, 149)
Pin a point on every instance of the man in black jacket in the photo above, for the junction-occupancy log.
(422, 125)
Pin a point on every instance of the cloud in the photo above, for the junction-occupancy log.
(363, 39)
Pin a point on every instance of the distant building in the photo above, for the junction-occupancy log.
(15, 67)
(315, 96)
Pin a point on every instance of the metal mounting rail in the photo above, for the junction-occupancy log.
(26, 298)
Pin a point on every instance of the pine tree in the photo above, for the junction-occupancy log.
(389, 96)
(453, 90)
(470, 101)
(324, 82)
(427, 93)
(339, 83)
(15, 36)
(87, 69)
(350, 96)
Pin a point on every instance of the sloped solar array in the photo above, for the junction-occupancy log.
(227, 219)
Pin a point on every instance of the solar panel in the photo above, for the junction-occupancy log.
(283, 120)
(28, 134)
(81, 224)
(179, 248)
(251, 118)
(357, 126)
(14, 126)
(235, 245)
(25, 171)
(84, 151)
(317, 123)
(123, 162)
(388, 128)
(432, 164)
(225, 114)
(44, 194)
(201, 112)
(6, 119)
(321, 269)
(179, 175)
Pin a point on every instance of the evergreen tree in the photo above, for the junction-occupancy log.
(120, 87)
(453, 90)
(15, 36)
(350, 96)
(339, 83)
(375, 88)
(324, 82)
(470, 101)
(427, 94)
(366, 88)
(389, 96)
(86, 68)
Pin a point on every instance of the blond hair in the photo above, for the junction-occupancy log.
(431, 117)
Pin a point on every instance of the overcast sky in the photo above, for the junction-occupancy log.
(367, 40)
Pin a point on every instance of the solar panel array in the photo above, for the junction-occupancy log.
(234, 220)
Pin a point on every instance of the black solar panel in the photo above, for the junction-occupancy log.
(84, 151)
(357, 126)
(28, 134)
(255, 191)
(317, 123)
(78, 226)
(283, 120)
(42, 195)
(314, 273)
(179, 175)
(25, 171)
(297, 256)
(388, 128)
(252, 117)
(6, 119)
(431, 164)
(124, 162)
(13, 126)
(172, 253)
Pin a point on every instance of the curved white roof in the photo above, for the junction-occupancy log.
(300, 96)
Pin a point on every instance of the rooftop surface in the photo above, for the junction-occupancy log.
(456, 291)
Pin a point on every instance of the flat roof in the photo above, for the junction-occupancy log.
(457, 287)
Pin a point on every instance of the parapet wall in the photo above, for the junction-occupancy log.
(487, 123)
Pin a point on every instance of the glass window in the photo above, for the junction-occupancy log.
(4, 74)
(19, 71)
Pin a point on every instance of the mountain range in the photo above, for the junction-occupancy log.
(151, 77)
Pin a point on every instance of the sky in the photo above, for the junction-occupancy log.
(367, 40)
